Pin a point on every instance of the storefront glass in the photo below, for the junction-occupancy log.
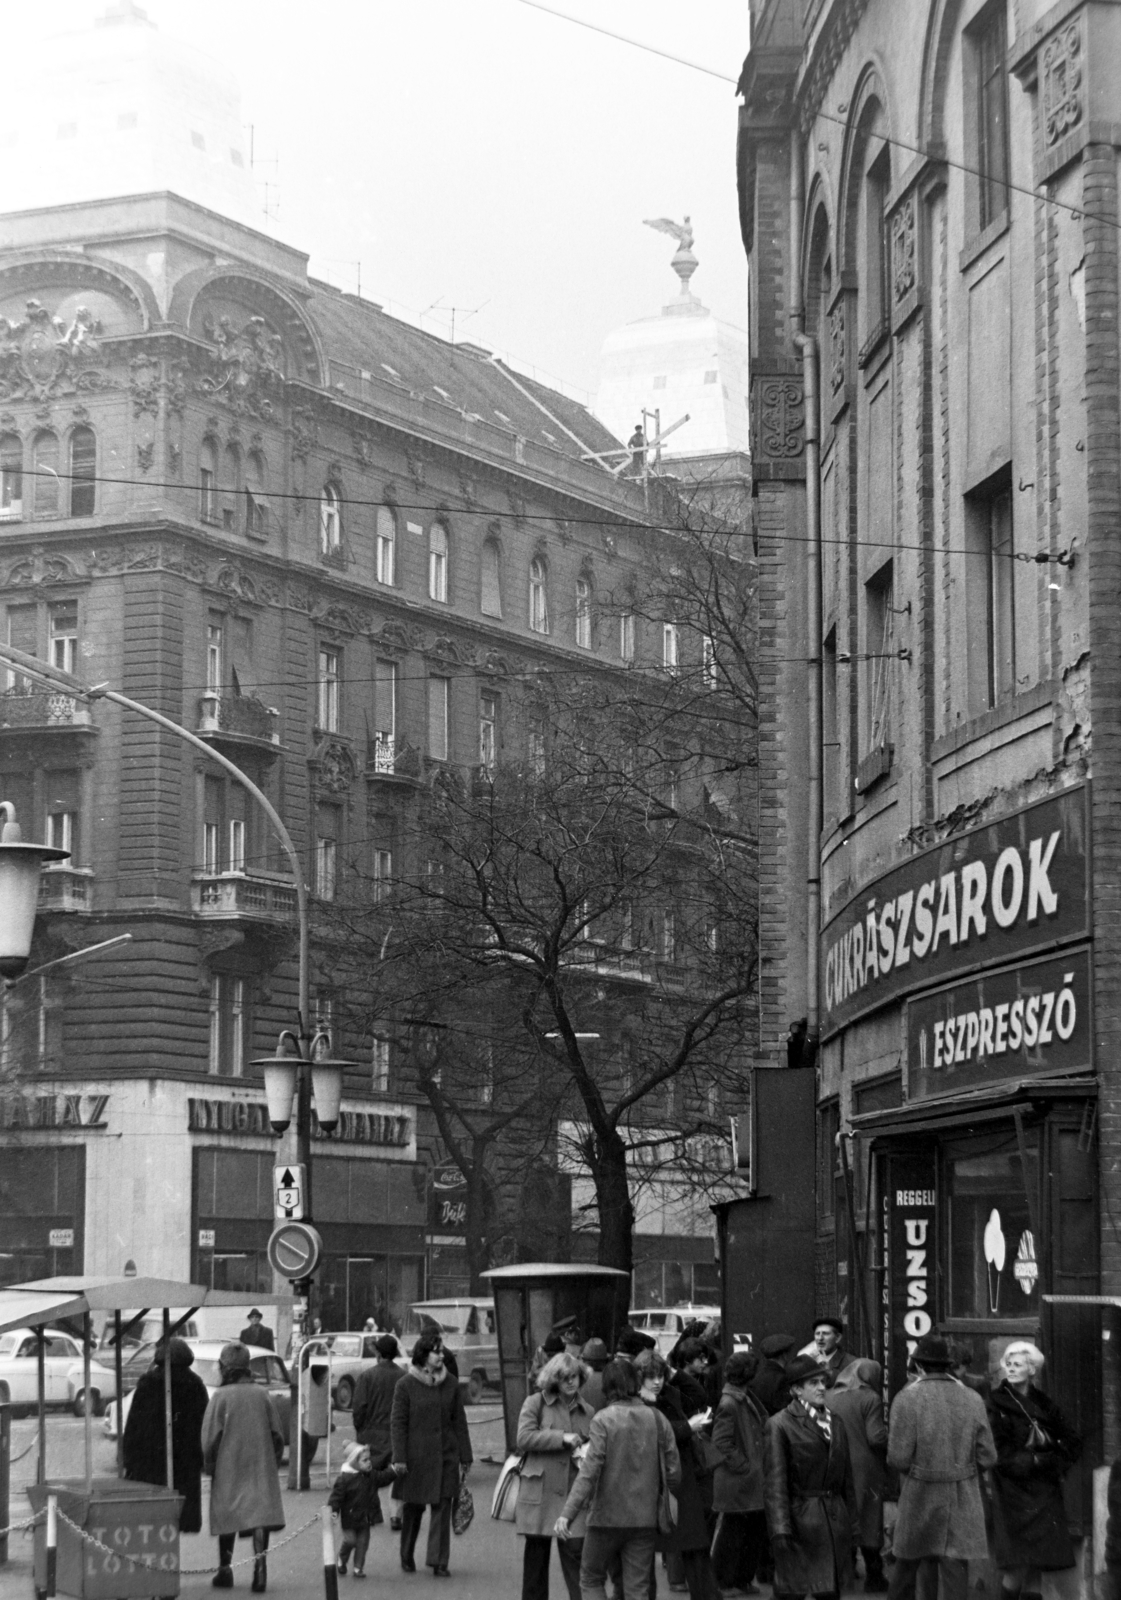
(993, 1253)
(42, 1207)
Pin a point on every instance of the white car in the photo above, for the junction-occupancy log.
(666, 1324)
(63, 1376)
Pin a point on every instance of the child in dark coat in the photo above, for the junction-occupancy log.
(355, 1504)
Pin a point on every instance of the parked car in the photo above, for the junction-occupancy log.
(666, 1324)
(267, 1369)
(468, 1329)
(63, 1375)
(350, 1354)
(144, 1333)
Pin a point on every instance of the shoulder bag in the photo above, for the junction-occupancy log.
(667, 1500)
(504, 1502)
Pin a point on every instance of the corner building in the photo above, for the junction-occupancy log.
(928, 194)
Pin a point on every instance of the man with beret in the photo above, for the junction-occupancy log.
(808, 1490)
(939, 1440)
(770, 1384)
(827, 1347)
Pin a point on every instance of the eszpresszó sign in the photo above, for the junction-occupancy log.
(1014, 887)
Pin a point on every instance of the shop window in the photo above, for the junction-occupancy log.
(45, 470)
(62, 626)
(229, 1025)
(385, 546)
(538, 596)
(208, 482)
(490, 595)
(993, 1252)
(42, 1196)
(438, 562)
(327, 696)
(11, 477)
(438, 693)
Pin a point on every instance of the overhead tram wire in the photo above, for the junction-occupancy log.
(826, 116)
(498, 514)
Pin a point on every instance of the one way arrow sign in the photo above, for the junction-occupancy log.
(289, 1189)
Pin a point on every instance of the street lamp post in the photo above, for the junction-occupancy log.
(309, 1057)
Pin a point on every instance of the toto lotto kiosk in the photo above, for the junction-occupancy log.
(117, 1539)
(538, 1298)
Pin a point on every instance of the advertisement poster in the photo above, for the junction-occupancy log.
(909, 1210)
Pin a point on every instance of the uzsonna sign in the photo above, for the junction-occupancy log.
(1015, 887)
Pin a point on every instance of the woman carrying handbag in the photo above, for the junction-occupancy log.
(553, 1424)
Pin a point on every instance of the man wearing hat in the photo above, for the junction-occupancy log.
(939, 1440)
(770, 1385)
(372, 1408)
(808, 1489)
(257, 1333)
(594, 1355)
(827, 1347)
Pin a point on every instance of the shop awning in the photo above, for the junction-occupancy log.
(23, 1308)
(130, 1294)
(975, 1105)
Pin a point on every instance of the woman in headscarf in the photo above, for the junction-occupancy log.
(1035, 1447)
(144, 1445)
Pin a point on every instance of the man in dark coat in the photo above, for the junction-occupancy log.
(373, 1401)
(770, 1384)
(145, 1442)
(811, 1507)
(739, 1548)
(257, 1333)
(431, 1448)
(856, 1402)
(939, 1440)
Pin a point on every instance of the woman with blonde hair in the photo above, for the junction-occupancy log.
(1035, 1447)
(553, 1424)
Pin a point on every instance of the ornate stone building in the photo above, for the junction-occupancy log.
(928, 196)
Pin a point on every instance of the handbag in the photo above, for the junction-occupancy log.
(504, 1501)
(463, 1510)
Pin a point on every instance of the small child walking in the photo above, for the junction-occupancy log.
(354, 1503)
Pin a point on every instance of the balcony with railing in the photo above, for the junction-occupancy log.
(65, 888)
(390, 757)
(258, 896)
(239, 719)
(27, 710)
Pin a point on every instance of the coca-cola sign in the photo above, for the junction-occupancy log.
(1017, 886)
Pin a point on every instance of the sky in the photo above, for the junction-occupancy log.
(483, 155)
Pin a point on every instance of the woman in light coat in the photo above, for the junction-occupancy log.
(552, 1425)
(241, 1449)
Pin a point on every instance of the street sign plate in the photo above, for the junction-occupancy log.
(294, 1249)
(289, 1189)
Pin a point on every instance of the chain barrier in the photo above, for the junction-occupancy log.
(22, 1527)
(198, 1572)
(186, 1572)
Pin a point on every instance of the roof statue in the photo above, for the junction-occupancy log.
(684, 262)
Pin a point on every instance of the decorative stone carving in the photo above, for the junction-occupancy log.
(837, 347)
(249, 365)
(1061, 71)
(174, 460)
(178, 387)
(516, 502)
(125, 558)
(414, 466)
(335, 768)
(781, 418)
(236, 582)
(145, 454)
(467, 489)
(903, 262)
(363, 448)
(144, 385)
(305, 431)
(41, 357)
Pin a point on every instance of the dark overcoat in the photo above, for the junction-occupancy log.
(809, 1496)
(860, 1412)
(691, 1531)
(939, 1441)
(373, 1406)
(771, 1386)
(145, 1447)
(428, 1427)
(737, 1433)
(354, 1495)
(1029, 1518)
(549, 1470)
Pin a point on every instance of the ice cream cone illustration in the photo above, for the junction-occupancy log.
(994, 1256)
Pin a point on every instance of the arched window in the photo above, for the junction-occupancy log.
(231, 486)
(208, 482)
(438, 562)
(256, 511)
(45, 461)
(385, 552)
(538, 599)
(490, 589)
(330, 521)
(583, 613)
(83, 472)
(11, 477)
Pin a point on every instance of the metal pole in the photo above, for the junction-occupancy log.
(167, 1398)
(5, 1475)
(52, 1546)
(330, 1570)
(87, 1403)
(41, 1363)
(118, 1367)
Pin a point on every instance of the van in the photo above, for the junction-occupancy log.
(468, 1329)
(666, 1324)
